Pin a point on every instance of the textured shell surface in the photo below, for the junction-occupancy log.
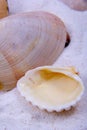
(28, 40)
(3, 8)
(51, 88)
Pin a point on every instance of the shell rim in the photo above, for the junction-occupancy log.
(54, 108)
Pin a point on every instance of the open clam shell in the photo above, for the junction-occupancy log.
(27, 41)
(3, 8)
(50, 88)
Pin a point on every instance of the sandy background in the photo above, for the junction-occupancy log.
(15, 112)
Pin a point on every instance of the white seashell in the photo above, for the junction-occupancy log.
(50, 88)
(27, 41)
(3, 8)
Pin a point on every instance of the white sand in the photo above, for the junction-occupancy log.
(15, 112)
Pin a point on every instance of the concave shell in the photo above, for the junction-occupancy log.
(80, 5)
(27, 41)
(51, 88)
(3, 8)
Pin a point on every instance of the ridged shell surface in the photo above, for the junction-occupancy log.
(27, 41)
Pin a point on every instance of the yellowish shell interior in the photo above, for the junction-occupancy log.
(51, 88)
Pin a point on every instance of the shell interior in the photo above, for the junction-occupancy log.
(51, 89)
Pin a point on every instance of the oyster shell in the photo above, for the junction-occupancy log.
(50, 88)
(3, 8)
(27, 41)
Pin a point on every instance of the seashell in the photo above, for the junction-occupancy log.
(80, 5)
(27, 41)
(51, 88)
(3, 8)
